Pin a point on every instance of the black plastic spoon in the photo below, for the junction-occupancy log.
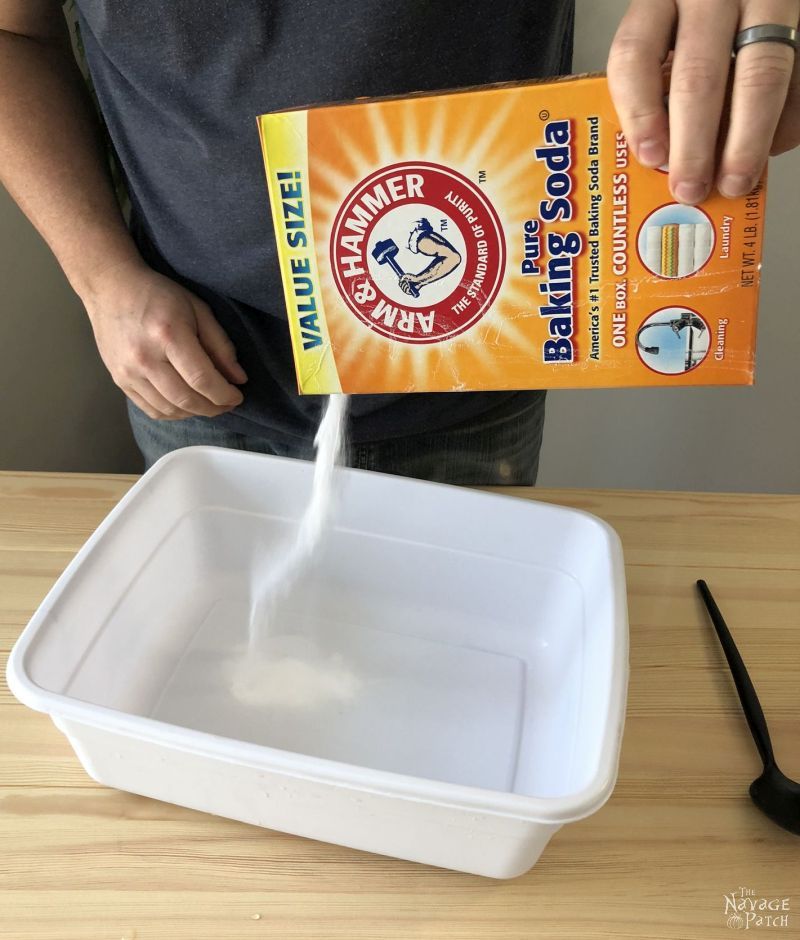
(773, 793)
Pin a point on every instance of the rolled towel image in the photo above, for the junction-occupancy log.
(686, 233)
(652, 254)
(669, 250)
(702, 244)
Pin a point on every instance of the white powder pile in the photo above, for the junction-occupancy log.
(291, 671)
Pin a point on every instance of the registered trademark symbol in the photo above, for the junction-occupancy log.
(544, 115)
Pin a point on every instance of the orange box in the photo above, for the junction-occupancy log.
(501, 238)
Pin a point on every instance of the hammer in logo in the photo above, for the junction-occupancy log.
(385, 252)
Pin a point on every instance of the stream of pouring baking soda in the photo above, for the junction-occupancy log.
(285, 669)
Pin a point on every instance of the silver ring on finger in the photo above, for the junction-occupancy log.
(766, 32)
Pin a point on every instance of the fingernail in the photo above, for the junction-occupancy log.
(690, 193)
(240, 372)
(735, 184)
(652, 153)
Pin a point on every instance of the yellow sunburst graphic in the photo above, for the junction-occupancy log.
(489, 139)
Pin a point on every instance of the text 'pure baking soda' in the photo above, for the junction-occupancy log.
(501, 238)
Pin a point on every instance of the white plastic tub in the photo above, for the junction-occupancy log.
(489, 635)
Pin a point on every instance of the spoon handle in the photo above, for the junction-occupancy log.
(747, 694)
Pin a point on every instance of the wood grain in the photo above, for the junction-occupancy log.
(81, 862)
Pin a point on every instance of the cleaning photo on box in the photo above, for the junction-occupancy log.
(673, 340)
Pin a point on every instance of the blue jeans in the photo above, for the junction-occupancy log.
(500, 448)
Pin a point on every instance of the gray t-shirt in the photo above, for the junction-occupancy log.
(180, 84)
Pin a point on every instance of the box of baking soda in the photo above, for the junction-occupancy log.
(501, 237)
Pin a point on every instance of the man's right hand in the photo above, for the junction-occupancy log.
(162, 345)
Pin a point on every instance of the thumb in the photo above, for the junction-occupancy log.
(217, 344)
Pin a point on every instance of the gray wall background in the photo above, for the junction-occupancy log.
(59, 409)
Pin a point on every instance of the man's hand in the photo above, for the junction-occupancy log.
(764, 94)
(162, 345)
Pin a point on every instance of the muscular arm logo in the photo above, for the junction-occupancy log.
(445, 258)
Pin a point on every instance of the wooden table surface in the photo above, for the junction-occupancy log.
(81, 862)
